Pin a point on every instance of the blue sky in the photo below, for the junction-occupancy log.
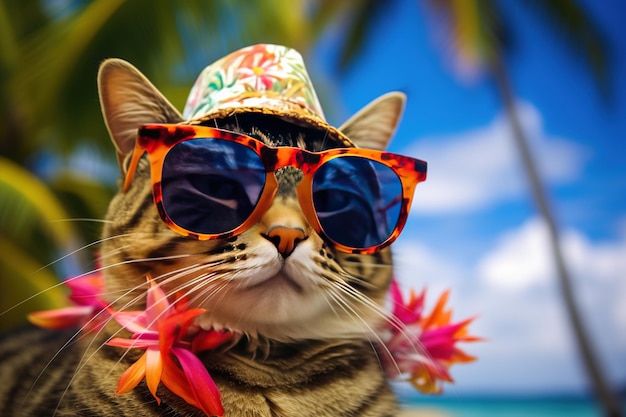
(473, 227)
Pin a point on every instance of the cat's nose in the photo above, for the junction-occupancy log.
(285, 238)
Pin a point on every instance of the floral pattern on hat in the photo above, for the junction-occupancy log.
(262, 76)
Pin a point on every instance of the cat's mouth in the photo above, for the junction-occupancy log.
(279, 299)
(278, 280)
(275, 306)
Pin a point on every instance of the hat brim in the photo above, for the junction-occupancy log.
(298, 118)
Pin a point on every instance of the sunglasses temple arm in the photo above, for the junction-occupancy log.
(132, 166)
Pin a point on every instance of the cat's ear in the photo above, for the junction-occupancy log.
(128, 100)
(374, 125)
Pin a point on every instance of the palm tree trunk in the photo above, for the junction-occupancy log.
(602, 390)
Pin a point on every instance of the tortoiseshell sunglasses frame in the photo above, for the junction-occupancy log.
(158, 139)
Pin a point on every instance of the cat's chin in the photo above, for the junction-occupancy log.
(276, 310)
(276, 300)
(324, 327)
(283, 300)
(280, 282)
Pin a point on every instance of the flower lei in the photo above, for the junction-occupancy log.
(420, 347)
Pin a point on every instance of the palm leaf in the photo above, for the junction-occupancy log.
(579, 33)
(31, 232)
(27, 203)
(25, 286)
(8, 43)
(468, 32)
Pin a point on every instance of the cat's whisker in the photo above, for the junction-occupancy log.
(45, 368)
(176, 276)
(379, 310)
(165, 279)
(324, 139)
(190, 287)
(87, 246)
(84, 360)
(345, 305)
(152, 259)
(81, 219)
(351, 311)
(343, 273)
(366, 264)
(358, 280)
(368, 302)
(203, 286)
(326, 296)
(73, 338)
(60, 283)
(391, 319)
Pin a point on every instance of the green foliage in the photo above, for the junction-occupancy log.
(29, 220)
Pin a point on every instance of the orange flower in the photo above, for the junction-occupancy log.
(164, 331)
(424, 345)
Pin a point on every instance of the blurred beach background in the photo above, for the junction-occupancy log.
(479, 75)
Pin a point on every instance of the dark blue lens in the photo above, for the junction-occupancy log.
(357, 201)
(211, 186)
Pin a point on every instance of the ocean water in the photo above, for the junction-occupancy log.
(510, 407)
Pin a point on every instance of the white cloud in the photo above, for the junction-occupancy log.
(479, 168)
(416, 265)
(522, 259)
(513, 290)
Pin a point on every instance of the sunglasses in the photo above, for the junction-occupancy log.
(211, 183)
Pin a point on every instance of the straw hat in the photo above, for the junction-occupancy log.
(266, 79)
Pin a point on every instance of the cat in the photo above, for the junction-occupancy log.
(307, 312)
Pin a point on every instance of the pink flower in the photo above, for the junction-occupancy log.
(170, 341)
(88, 311)
(423, 346)
(261, 72)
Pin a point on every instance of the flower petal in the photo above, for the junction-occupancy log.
(204, 389)
(426, 346)
(176, 381)
(174, 328)
(61, 318)
(157, 305)
(132, 376)
(154, 370)
(132, 343)
(423, 381)
(206, 340)
(87, 289)
(409, 312)
(438, 316)
(133, 321)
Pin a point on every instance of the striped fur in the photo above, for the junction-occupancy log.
(309, 326)
(305, 379)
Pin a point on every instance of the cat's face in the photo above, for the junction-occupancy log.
(278, 279)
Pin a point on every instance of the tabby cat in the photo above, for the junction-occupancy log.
(308, 312)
